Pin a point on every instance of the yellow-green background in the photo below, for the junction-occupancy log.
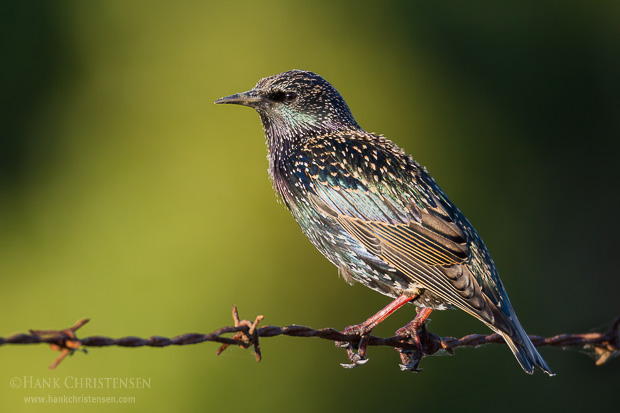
(126, 196)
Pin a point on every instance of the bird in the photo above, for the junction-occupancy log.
(375, 213)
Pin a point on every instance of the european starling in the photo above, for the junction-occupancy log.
(375, 213)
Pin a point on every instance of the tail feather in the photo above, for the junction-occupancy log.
(526, 353)
(519, 343)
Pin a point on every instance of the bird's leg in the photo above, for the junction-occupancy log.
(364, 329)
(411, 330)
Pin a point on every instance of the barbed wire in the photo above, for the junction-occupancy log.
(246, 334)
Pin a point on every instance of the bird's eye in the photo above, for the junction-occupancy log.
(283, 97)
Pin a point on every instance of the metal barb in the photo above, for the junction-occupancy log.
(64, 341)
(247, 338)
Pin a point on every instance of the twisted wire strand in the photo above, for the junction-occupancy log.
(246, 334)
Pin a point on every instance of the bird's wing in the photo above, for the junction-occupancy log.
(402, 217)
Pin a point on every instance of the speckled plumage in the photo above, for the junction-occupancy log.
(373, 211)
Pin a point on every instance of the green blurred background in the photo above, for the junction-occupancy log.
(126, 196)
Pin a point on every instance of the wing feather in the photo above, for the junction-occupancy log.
(412, 228)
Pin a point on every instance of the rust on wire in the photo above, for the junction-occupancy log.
(247, 338)
(64, 341)
(246, 333)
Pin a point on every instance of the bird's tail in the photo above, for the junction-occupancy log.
(521, 346)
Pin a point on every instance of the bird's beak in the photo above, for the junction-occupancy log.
(249, 98)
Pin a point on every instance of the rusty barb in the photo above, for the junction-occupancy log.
(245, 333)
(64, 341)
(248, 338)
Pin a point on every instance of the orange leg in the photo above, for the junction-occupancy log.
(415, 324)
(367, 326)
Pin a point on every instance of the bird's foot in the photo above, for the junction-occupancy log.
(414, 331)
(357, 358)
(417, 334)
(411, 358)
(363, 331)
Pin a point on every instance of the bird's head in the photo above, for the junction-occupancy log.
(294, 105)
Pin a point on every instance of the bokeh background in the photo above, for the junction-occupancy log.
(126, 196)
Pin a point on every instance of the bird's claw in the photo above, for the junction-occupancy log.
(410, 367)
(357, 358)
(410, 363)
(359, 362)
(345, 344)
(413, 333)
